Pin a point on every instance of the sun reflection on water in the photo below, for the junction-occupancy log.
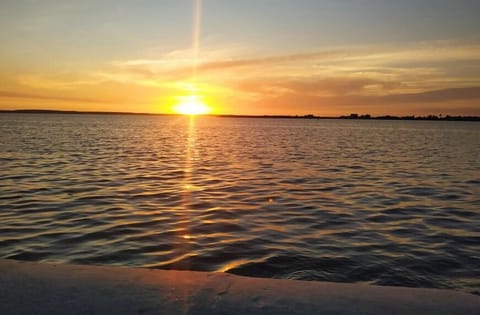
(188, 188)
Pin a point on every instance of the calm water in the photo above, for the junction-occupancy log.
(383, 202)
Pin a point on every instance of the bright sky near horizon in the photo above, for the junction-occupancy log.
(321, 57)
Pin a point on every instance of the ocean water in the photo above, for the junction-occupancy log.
(381, 202)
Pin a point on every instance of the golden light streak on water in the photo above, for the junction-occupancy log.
(188, 186)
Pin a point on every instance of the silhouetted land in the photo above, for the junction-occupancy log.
(428, 117)
(351, 116)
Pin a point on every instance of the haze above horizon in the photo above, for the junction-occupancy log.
(270, 57)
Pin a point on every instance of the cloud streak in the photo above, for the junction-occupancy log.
(434, 96)
(44, 83)
(20, 95)
(358, 76)
(444, 95)
(362, 57)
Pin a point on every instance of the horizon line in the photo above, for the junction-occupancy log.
(307, 116)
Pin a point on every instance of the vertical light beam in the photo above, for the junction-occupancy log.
(197, 20)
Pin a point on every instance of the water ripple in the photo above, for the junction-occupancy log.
(392, 202)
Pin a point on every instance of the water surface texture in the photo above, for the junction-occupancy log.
(383, 202)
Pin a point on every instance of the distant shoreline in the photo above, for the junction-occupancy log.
(350, 117)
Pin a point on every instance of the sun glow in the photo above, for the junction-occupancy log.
(191, 105)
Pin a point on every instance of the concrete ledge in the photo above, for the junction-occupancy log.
(38, 288)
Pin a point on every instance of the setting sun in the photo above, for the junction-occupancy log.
(191, 105)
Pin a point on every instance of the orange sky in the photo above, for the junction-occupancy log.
(139, 57)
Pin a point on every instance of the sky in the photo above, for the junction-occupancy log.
(253, 57)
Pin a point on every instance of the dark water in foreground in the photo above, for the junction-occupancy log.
(384, 202)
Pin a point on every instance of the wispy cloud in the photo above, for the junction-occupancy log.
(42, 82)
(20, 95)
(326, 87)
(345, 76)
(447, 101)
(443, 95)
(405, 65)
